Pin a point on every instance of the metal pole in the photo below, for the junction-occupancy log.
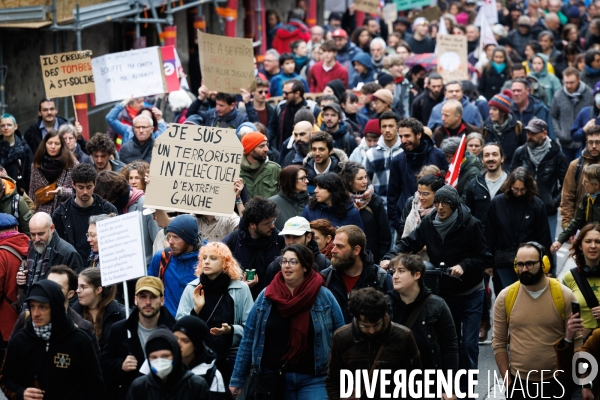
(2, 79)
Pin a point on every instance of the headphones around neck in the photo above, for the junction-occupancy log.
(544, 260)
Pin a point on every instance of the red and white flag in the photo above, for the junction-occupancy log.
(454, 171)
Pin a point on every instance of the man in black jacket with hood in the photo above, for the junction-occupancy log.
(51, 357)
(454, 237)
(168, 377)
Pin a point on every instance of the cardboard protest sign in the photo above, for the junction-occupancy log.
(136, 73)
(452, 57)
(367, 6)
(227, 64)
(170, 66)
(431, 14)
(120, 241)
(193, 169)
(410, 4)
(390, 13)
(68, 74)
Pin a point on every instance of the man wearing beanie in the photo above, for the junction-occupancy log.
(503, 128)
(372, 133)
(574, 96)
(176, 264)
(261, 176)
(378, 158)
(454, 237)
(166, 375)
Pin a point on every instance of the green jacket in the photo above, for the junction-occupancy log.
(469, 169)
(260, 179)
(20, 210)
(586, 213)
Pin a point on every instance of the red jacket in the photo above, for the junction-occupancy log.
(9, 266)
(318, 78)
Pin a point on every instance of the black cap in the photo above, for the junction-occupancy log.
(403, 20)
(37, 293)
(335, 107)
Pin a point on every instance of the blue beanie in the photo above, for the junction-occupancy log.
(7, 221)
(186, 227)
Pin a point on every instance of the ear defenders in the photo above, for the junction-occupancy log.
(544, 260)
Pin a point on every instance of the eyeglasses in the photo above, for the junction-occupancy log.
(293, 262)
(141, 127)
(90, 235)
(285, 93)
(272, 223)
(424, 194)
(593, 143)
(517, 190)
(303, 179)
(528, 264)
(262, 91)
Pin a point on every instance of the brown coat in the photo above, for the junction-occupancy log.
(572, 192)
(350, 349)
(440, 133)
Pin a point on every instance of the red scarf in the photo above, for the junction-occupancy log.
(135, 195)
(399, 79)
(327, 250)
(298, 307)
(132, 112)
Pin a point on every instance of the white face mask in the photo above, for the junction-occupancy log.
(161, 367)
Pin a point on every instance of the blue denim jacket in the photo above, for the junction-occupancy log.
(327, 318)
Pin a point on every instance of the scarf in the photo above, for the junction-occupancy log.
(51, 168)
(327, 250)
(499, 128)
(135, 196)
(132, 112)
(499, 67)
(537, 154)
(43, 332)
(591, 71)
(444, 227)
(362, 200)
(94, 259)
(300, 61)
(296, 306)
(38, 265)
(574, 97)
(590, 203)
(219, 285)
(8, 234)
(253, 169)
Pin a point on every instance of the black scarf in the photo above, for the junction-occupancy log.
(218, 308)
(144, 148)
(217, 286)
(51, 168)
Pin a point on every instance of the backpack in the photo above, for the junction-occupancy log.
(16, 304)
(381, 275)
(165, 259)
(555, 291)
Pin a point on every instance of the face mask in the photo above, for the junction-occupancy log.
(597, 99)
(161, 367)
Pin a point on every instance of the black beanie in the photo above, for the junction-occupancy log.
(157, 344)
(195, 329)
(447, 194)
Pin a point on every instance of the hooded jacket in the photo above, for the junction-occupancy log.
(180, 271)
(404, 169)
(440, 133)
(62, 218)
(338, 159)
(471, 114)
(367, 76)
(289, 206)
(464, 245)
(262, 181)
(352, 216)
(17, 160)
(123, 341)
(179, 384)
(14, 204)
(277, 82)
(535, 108)
(564, 110)
(550, 82)
(360, 153)
(469, 169)
(549, 174)
(343, 139)
(376, 224)
(510, 138)
(65, 367)
(572, 188)
(9, 266)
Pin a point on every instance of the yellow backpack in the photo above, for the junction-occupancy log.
(555, 291)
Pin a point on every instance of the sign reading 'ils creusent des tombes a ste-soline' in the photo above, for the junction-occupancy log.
(193, 170)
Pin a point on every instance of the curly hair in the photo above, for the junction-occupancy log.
(523, 175)
(230, 265)
(369, 303)
(575, 251)
(111, 185)
(100, 142)
(65, 156)
(413, 124)
(142, 168)
(258, 208)
(348, 173)
(324, 227)
(84, 173)
(339, 197)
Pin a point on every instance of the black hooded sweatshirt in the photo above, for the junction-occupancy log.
(338, 88)
(65, 367)
(180, 383)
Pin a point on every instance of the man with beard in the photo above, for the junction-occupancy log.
(431, 97)
(256, 242)
(323, 158)
(71, 218)
(544, 159)
(333, 124)
(538, 306)
(259, 174)
(352, 268)
(123, 353)
(370, 338)
(572, 188)
(454, 91)
(45, 250)
(301, 134)
(525, 106)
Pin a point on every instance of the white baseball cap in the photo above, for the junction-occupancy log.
(296, 226)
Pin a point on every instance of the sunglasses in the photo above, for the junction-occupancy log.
(262, 91)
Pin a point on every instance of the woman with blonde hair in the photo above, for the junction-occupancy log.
(221, 300)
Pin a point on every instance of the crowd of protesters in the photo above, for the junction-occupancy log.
(348, 246)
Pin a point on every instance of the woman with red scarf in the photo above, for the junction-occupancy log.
(288, 333)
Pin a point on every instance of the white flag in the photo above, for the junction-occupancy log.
(443, 29)
(490, 11)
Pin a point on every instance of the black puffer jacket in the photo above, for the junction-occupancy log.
(549, 174)
(179, 384)
(510, 138)
(433, 329)
(65, 367)
(465, 245)
(17, 160)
